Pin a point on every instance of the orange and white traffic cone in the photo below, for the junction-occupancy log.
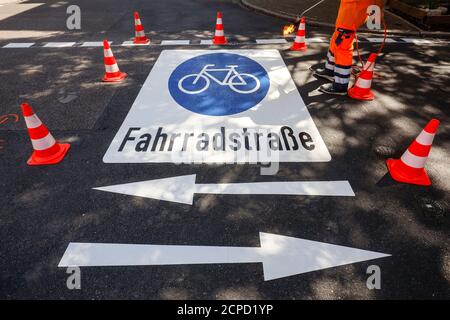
(361, 88)
(410, 168)
(46, 149)
(112, 73)
(140, 37)
(219, 35)
(300, 39)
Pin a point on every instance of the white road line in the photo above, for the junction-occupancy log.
(130, 43)
(207, 42)
(417, 41)
(316, 39)
(59, 44)
(378, 40)
(174, 42)
(210, 42)
(93, 44)
(271, 41)
(19, 45)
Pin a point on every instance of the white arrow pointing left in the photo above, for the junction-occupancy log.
(281, 256)
(181, 189)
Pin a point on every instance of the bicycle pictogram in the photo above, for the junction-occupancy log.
(195, 83)
(218, 84)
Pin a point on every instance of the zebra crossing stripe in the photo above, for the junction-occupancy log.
(316, 40)
(417, 41)
(19, 45)
(131, 44)
(378, 40)
(175, 42)
(59, 44)
(271, 41)
(207, 42)
(93, 44)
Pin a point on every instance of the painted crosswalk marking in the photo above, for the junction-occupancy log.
(59, 44)
(130, 43)
(378, 40)
(19, 45)
(174, 42)
(271, 41)
(316, 40)
(417, 41)
(93, 44)
(208, 42)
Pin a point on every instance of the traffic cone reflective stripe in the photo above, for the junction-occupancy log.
(111, 68)
(412, 160)
(46, 149)
(300, 39)
(426, 138)
(140, 37)
(219, 35)
(107, 52)
(112, 71)
(361, 90)
(140, 34)
(364, 81)
(410, 168)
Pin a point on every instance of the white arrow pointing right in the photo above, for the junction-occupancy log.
(281, 256)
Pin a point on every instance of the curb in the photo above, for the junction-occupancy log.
(292, 18)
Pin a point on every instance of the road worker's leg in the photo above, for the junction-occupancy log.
(343, 57)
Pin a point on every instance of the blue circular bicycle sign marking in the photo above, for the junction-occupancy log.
(219, 84)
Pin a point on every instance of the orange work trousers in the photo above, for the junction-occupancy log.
(352, 14)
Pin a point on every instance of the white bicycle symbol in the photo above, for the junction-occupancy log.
(233, 79)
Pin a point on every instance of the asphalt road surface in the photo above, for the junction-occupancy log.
(44, 208)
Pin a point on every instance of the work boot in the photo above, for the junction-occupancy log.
(329, 89)
(323, 73)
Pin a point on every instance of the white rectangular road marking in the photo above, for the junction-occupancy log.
(271, 41)
(316, 40)
(174, 42)
(208, 42)
(378, 40)
(157, 118)
(417, 41)
(310, 188)
(93, 44)
(59, 44)
(130, 43)
(19, 45)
